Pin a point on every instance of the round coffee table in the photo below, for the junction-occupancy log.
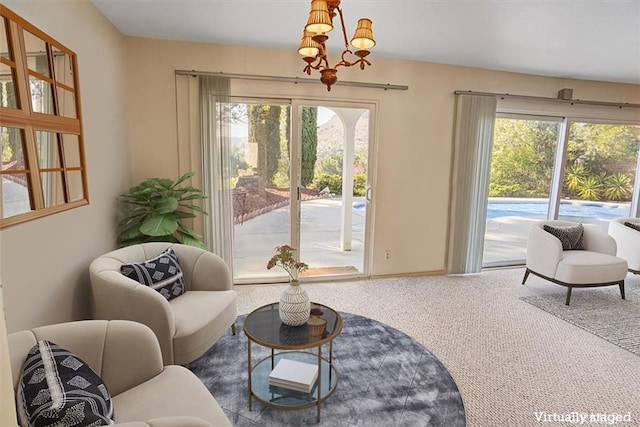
(263, 326)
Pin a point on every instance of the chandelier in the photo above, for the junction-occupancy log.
(313, 48)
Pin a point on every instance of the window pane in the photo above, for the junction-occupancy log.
(41, 99)
(71, 150)
(48, 155)
(12, 148)
(36, 54)
(66, 103)
(62, 67)
(7, 85)
(4, 39)
(75, 185)
(52, 188)
(600, 172)
(15, 195)
(520, 181)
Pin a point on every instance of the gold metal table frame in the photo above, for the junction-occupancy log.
(263, 327)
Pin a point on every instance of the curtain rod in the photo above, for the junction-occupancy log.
(542, 98)
(296, 80)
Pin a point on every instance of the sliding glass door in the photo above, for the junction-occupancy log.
(298, 177)
(599, 172)
(333, 190)
(524, 149)
(261, 190)
(555, 168)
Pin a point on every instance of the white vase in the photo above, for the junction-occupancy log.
(294, 305)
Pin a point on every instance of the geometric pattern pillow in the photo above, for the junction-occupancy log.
(570, 236)
(161, 273)
(635, 226)
(57, 388)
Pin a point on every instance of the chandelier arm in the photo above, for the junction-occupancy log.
(344, 29)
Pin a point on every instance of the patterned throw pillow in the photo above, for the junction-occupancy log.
(570, 236)
(57, 388)
(635, 226)
(161, 273)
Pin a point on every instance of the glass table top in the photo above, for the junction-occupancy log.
(264, 327)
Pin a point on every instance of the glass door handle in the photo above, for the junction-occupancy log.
(368, 193)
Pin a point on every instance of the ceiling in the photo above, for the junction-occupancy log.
(582, 39)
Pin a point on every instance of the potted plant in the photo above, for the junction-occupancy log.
(294, 307)
(154, 212)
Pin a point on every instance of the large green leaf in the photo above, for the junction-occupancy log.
(188, 240)
(166, 206)
(182, 228)
(192, 197)
(163, 183)
(160, 225)
(194, 208)
(183, 178)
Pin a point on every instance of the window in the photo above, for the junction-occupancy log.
(43, 167)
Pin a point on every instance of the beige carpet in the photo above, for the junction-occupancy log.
(514, 364)
(600, 311)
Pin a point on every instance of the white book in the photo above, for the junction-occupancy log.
(295, 375)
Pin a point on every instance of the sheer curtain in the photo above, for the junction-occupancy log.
(475, 117)
(215, 145)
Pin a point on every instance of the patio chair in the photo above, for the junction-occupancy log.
(628, 241)
(594, 264)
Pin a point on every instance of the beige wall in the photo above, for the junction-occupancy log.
(44, 263)
(414, 138)
(7, 407)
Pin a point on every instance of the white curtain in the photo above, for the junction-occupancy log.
(215, 146)
(475, 116)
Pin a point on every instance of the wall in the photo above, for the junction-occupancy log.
(44, 263)
(7, 407)
(414, 128)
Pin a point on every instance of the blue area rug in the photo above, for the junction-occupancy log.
(386, 378)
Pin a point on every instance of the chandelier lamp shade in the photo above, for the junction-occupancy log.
(314, 36)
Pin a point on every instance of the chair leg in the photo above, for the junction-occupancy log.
(233, 328)
(621, 285)
(526, 275)
(569, 289)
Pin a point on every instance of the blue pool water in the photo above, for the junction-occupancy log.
(538, 209)
(567, 209)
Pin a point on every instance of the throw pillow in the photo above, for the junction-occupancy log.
(161, 273)
(635, 226)
(57, 388)
(570, 236)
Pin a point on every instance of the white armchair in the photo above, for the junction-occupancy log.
(126, 356)
(596, 265)
(186, 326)
(628, 241)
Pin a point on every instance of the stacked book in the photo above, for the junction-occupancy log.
(293, 375)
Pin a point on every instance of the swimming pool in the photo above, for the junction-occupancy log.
(538, 209)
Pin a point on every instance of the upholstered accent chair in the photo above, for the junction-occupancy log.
(628, 241)
(127, 357)
(594, 265)
(187, 325)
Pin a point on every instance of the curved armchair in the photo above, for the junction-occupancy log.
(127, 358)
(628, 241)
(596, 265)
(186, 326)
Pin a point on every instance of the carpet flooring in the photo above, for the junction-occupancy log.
(600, 311)
(512, 362)
(386, 378)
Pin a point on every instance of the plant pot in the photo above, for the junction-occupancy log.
(294, 305)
